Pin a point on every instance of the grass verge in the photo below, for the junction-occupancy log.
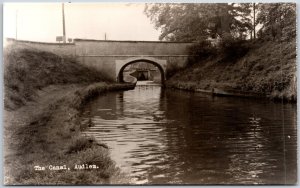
(268, 69)
(44, 94)
(49, 134)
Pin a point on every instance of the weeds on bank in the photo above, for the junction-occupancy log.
(27, 70)
(53, 137)
(80, 144)
(267, 68)
(95, 156)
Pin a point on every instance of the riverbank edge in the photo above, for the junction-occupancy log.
(192, 87)
(61, 113)
(267, 70)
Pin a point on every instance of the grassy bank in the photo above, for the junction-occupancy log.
(42, 128)
(28, 70)
(268, 69)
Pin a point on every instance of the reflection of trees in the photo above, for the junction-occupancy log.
(192, 142)
(196, 138)
(222, 140)
(106, 102)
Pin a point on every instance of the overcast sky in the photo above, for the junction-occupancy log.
(43, 21)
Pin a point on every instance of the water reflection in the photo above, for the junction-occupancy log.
(166, 136)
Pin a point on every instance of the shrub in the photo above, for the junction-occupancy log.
(234, 48)
(172, 70)
(200, 51)
(81, 143)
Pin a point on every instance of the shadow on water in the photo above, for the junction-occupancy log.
(164, 136)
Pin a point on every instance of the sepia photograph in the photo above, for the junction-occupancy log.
(149, 93)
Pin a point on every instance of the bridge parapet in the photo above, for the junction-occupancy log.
(130, 48)
(110, 56)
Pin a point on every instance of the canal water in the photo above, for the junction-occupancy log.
(162, 136)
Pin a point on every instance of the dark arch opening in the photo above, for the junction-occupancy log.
(162, 73)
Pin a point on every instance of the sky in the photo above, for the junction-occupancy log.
(43, 21)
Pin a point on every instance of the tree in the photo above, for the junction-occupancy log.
(254, 23)
(194, 22)
(243, 26)
(278, 20)
(180, 22)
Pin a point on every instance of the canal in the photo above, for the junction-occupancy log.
(162, 136)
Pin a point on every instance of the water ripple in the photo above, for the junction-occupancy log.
(166, 137)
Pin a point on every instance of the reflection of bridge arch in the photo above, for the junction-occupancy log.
(122, 64)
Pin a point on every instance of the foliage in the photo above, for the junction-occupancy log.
(278, 21)
(245, 15)
(49, 134)
(80, 144)
(234, 48)
(200, 51)
(195, 22)
(256, 72)
(172, 69)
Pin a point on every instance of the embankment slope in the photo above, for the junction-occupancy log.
(27, 70)
(44, 95)
(268, 69)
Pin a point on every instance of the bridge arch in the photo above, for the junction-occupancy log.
(122, 64)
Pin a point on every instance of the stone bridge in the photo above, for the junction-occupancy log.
(111, 57)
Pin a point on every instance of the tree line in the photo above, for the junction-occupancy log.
(191, 22)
